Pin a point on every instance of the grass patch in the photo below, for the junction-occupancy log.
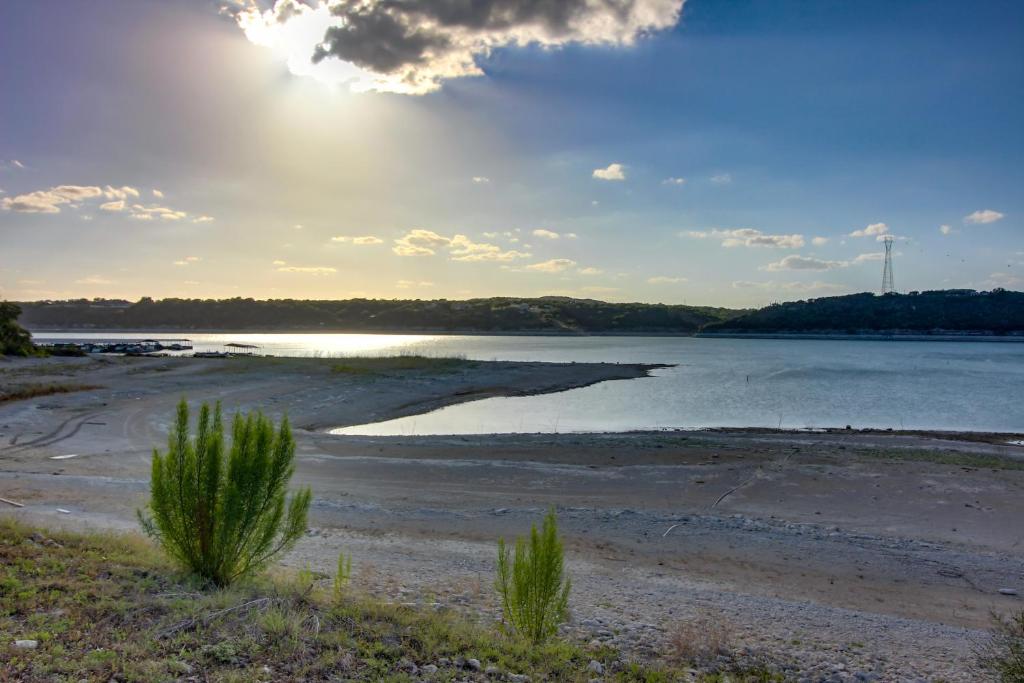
(953, 458)
(390, 365)
(108, 607)
(21, 392)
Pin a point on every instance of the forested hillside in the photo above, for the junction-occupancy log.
(953, 310)
(542, 315)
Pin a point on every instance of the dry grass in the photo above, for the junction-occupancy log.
(701, 639)
(388, 365)
(20, 392)
(109, 607)
(1001, 656)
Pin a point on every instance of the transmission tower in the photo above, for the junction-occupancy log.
(887, 283)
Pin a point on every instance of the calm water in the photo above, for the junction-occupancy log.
(717, 382)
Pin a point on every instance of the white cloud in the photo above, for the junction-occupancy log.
(555, 265)
(481, 179)
(202, 219)
(797, 262)
(611, 172)
(571, 236)
(121, 193)
(590, 270)
(52, 199)
(873, 230)
(94, 280)
(789, 286)
(278, 263)
(874, 256)
(819, 241)
(947, 230)
(749, 237)
(421, 242)
(546, 234)
(983, 216)
(674, 181)
(1004, 280)
(49, 201)
(311, 270)
(157, 193)
(721, 178)
(146, 213)
(665, 280)
(461, 248)
(413, 47)
(187, 261)
(408, 284)
(363, 240)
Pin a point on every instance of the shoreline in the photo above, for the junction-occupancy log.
(976, 336)
(804, 541)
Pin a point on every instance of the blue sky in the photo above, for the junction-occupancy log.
(678, 156)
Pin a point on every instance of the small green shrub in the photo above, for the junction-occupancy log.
(222, 512)
(533, 587)
(343, 576)
(1002, 655)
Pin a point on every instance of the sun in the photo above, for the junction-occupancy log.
(293, 38)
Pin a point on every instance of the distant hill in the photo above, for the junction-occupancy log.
(957, 311)
(542, 315)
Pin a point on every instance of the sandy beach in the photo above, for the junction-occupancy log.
(843, 553)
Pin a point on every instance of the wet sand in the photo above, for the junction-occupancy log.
(883, 552)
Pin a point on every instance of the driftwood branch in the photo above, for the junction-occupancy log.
(192, 621)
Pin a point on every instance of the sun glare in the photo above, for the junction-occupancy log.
(293, 41)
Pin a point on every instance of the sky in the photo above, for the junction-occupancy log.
(707, 152)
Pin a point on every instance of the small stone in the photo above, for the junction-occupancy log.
(1008, 591)
(408, 667)
(595, 667)
(518, 678)
(26, 644)
(428, 670)
(492, 671)
(473, 664)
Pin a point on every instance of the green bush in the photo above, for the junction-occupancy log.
(222, 512)
(1002, 655)
(533, 587)
(14, 339)
(343, 576)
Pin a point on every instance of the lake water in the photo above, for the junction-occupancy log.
(716, 382)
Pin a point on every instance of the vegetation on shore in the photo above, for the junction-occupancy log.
(18, 392)
(532, 583)
(499, 314)
(1001, 657)
(388, 365)
(951, 311)
(954, 310)
(14, 339)
(104, 607)
(220, 511)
